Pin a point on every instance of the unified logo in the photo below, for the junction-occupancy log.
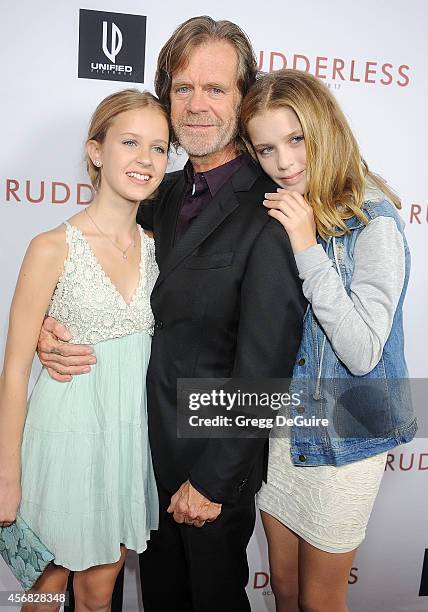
(112, 46)
(116, 41)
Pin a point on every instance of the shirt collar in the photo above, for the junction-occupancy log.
(215, 178)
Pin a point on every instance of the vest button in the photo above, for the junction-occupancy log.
(159, 324)
(301, 361)
(302, 458)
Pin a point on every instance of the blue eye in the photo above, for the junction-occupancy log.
(296, 139)
(264, 150)
(159, 149)
(182, 90)
(131, 143)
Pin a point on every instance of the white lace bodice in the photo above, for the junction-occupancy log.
(87, 302)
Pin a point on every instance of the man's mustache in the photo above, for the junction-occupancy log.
(202, 119)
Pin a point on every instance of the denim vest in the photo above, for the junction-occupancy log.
(366, 414)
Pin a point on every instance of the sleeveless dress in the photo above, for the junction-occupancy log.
(87, 477)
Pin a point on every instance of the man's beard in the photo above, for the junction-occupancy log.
(200, 145)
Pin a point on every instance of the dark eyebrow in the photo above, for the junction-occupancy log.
(217, 85)
(180, 83)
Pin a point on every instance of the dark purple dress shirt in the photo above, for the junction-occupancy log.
(201, 187)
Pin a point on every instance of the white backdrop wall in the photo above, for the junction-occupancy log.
(373, 56)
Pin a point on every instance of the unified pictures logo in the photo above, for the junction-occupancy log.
(116, 41)
(112, 46)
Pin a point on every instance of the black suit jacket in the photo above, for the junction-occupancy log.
(227, 303)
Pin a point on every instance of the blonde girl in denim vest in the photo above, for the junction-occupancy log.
(353, 259)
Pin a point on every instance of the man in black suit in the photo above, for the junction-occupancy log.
(227, 303)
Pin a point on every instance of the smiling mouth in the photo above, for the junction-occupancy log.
(138, 176)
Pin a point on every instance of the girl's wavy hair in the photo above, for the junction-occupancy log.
(193, 33)
(337, 175)
(107, 110)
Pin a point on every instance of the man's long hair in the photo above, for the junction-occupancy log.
(193, 33)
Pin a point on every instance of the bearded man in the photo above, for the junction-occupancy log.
(227, 303)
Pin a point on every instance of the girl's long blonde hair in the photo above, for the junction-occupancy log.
(337, 175)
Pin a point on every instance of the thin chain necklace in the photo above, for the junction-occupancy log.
(124, 252)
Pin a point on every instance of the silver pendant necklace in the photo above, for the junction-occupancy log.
(124, 252)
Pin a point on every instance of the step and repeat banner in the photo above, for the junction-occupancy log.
(59, 59)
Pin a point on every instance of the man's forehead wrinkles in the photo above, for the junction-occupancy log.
(220, 75)
(217, 63)
(210, 81)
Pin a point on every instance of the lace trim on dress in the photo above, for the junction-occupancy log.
(88, 303)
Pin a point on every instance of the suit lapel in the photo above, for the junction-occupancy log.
(165, 227)
(220, 207)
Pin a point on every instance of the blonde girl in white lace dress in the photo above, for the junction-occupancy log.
(82, 479)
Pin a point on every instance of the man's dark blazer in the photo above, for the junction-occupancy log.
(227, 303)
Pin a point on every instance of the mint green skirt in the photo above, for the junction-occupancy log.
(87, 475)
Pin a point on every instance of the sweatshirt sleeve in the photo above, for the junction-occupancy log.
(357, 325)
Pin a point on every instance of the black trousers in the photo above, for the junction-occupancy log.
(190, 569)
